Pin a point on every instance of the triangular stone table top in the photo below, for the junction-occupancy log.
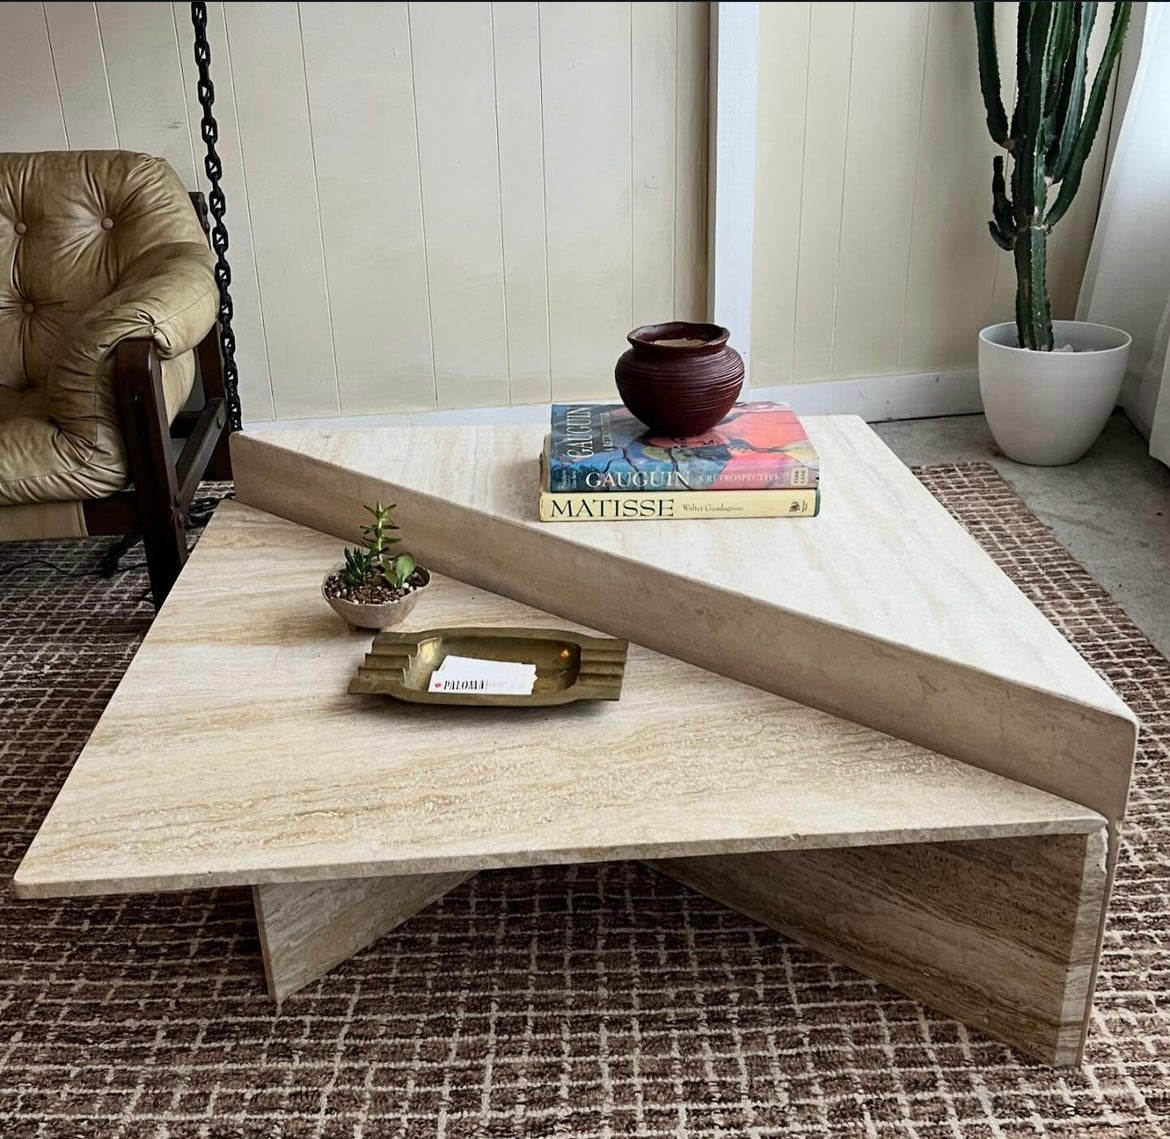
(881, 609)
(232, 754)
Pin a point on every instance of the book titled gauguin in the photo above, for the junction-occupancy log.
(602, 447)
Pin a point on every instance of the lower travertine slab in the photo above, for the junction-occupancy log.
(1002, 935)
(231, 753)
(306, 928)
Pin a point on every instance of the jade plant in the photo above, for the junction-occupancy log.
(1048, 137)
(372, 572)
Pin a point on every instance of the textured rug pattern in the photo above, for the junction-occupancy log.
(569, 1002)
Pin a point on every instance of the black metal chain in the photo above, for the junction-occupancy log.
(209, 129)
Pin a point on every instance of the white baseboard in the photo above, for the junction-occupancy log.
(875, 398)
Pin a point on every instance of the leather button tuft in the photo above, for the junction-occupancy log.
(107, 223)
(29, 306)
(20, 227)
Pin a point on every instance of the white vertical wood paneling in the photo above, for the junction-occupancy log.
(357, 63)
(81, 75)
(146, 81)
(516, 49)
(655, 60)
(881, 146)
(248, 319)
(779, 155)
(895, 271)
(692, 23)
(564, 184)
(30, 109)
(459, 164)
(829, 51)
(429, 204)
(586, 48)
(945, 309)
(277, 145)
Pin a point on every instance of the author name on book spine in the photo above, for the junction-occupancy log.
(753, 504)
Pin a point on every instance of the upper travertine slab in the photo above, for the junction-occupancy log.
(231, 753)
(881, 609)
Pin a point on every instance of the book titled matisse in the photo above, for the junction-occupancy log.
(602, 448)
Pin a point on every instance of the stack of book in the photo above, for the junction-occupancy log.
(600, 463)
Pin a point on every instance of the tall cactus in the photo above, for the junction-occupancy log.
(1050, 135)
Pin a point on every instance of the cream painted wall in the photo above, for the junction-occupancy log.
(871, 252)
(431, 205)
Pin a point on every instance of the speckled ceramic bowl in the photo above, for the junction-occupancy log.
(358, 615)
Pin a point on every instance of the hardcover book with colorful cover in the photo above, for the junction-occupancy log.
(660, 505)
(603, 448)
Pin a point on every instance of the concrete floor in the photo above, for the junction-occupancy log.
(1111, 510)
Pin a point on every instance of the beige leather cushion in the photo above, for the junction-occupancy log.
(95, 247)
(32, 521)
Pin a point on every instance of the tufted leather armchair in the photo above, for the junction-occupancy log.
(107, 298)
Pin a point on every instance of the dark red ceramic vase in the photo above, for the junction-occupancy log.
(679, 378)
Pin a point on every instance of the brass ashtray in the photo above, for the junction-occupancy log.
(568, 666)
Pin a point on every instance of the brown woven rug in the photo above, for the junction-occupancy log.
(580, 1001)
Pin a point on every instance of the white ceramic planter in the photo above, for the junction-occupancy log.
(1047, 408)
(367, 616)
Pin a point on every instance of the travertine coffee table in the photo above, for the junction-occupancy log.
(974, 875)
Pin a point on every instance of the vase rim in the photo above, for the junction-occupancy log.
(987, 335)
(712, 337)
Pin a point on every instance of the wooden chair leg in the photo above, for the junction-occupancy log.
(211, 375)
(147, 437)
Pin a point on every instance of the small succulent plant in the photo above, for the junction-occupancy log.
(372, 563)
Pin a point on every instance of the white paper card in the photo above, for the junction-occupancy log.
(488, 677)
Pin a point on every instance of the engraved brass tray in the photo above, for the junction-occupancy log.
(568, 666)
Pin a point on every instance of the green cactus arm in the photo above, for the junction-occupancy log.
(1001, 208)
(1055, 53)
(1066, 115)
(1095, 105)
(999, 237)
(1023, 20)
(1029, 188)
(997, 125)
